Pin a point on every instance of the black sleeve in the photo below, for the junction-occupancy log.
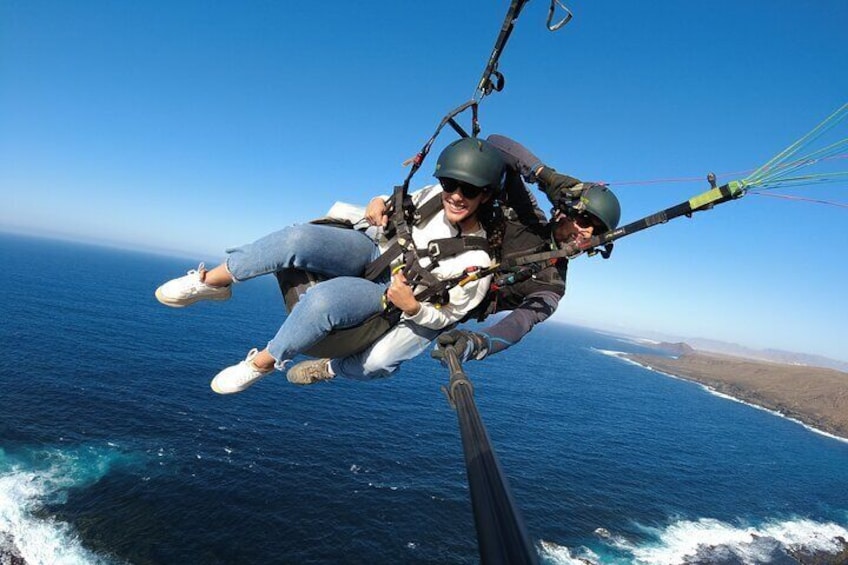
(518, 197)
(558, 187)
(535, 308)
(516, 156)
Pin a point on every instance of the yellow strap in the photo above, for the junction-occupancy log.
(705, 198)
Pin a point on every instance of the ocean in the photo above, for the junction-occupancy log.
(113, 448)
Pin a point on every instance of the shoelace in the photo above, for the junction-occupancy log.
(192, 284)
(318, 370)
(254, 372)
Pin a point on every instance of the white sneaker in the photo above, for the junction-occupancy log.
(239, 377)
(190, 289)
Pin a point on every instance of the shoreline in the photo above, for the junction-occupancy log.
(815, 397)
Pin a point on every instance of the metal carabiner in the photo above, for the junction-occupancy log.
(563, 21)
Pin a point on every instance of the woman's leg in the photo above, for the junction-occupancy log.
(325, 250)
(338, 303)
(341, 302)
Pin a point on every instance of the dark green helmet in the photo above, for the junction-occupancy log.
(473, 161)
(599, 201)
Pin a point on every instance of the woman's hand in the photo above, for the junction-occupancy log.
(375, 212)
(400, 294)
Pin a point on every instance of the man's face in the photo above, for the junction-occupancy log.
(576, 229)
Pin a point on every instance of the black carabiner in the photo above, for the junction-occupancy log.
(563, 21)
(495, 81)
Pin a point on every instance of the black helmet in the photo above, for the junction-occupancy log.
(599, 201)
(473, 161)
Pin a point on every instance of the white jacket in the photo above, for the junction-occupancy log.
(462, 299)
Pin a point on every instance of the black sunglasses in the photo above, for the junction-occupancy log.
(588, 221)
(468, 190)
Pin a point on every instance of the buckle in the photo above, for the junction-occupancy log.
(433, 249)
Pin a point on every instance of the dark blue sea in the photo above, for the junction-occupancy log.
(113, 448)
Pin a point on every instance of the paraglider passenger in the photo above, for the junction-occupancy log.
(470, 174)
(581, 210)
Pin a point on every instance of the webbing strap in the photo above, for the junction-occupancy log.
(419, 215)
(379, 265)
(426, 211)
(453, 246)
(416, 216)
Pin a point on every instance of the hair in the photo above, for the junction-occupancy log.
(491, 217)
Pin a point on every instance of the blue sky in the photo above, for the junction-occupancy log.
(193, 126)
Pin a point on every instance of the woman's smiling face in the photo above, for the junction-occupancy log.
(459, 208)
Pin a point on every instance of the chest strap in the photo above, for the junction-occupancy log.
(402, 244)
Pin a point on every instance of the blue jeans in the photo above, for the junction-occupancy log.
(343, 301)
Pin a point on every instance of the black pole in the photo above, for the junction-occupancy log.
(501, 533)
(704, 201)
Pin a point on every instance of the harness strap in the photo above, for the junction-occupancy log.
(508, 259)
(379, 265)
(435, 289)
(533, 258)
(426, 211)
(402, 241)
(417, 275)
(399, 207)
(453, 246)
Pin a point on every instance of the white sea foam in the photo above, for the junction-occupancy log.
(384, 486)
(561, 555)
(28, 482)
(709, 540)
(748, 544)
(773, 412)
(608, 352)
(636, 340)
(619, 355)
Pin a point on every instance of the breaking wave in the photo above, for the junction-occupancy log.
(29, 481)
(712, 541)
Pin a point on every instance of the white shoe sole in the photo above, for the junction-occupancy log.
(180, 303)
(214, 385)
(219, 391)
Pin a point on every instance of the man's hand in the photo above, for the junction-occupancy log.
(558, 187)
(400, 294)
(375, 212)
(466, 344)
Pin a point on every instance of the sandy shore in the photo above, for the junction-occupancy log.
(814, 396)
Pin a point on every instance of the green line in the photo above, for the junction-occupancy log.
(774, 164)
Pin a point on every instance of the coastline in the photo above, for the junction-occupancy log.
(813, 396)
